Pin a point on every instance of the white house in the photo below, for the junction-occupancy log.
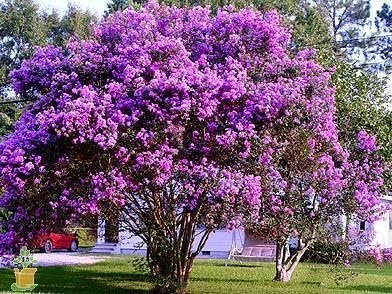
(220, 242)
(382, 228)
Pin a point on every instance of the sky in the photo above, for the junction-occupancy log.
(95, 6)
(99, 6)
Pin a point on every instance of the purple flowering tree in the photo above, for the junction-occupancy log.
(311, 186)
(180, 122)
(142, 119)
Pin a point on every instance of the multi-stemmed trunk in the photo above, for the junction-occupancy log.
(171, 246)
(171, 262)
(286, 263)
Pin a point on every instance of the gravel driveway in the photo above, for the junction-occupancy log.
(67, 258)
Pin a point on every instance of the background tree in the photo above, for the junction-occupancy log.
(22, 27)
(118, 5)
(362, 104)
(346, 19)
(8, 115)
(384, 29)
(75, 22)
(20, 30)
(352, 34)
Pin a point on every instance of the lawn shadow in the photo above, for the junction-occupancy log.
(312, 283)
(238, 265)
(226, 280)
(372, 271)
(367, 288)
(83, 280)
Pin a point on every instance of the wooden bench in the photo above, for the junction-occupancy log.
(257, 253)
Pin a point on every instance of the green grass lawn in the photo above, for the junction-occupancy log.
(117, 275)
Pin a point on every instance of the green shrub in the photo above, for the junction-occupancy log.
(328, 253)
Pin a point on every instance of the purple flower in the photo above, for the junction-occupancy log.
(366, 142)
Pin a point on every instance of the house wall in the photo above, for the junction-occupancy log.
(380, 228)
(218, 245)
(382, 233)
(220, 242)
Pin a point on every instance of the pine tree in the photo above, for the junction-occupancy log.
(384, 42)
(347, 19)
(116, 5)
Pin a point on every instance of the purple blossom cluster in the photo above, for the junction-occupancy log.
(366, 142)
(377, 255)
(213, 109)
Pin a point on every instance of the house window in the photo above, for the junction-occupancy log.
(362, 226)
(390, 220)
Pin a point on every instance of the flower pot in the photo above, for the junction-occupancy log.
(25, 277)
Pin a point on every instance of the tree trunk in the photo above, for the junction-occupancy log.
(182, 286)
(173, 257)
(183, 277)
(286, 264)
(282, 275)
(167, 276)
(169, 237)
(282, 254)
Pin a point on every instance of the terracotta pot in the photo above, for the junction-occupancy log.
(25, 277)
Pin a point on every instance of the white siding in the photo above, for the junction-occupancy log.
(382, 232)
(219, 241)
(127, 241)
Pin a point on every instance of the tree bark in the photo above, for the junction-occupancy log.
(286, 264)
(171, 256)
(169, 234)
(282, 275)
(170, 276)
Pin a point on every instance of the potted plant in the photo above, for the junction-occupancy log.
(24, 275)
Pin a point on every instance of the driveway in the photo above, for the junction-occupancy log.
(67, 258)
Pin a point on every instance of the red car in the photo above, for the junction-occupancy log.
(47, 242)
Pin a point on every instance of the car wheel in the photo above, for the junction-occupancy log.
(48, 246)
(74, 246)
